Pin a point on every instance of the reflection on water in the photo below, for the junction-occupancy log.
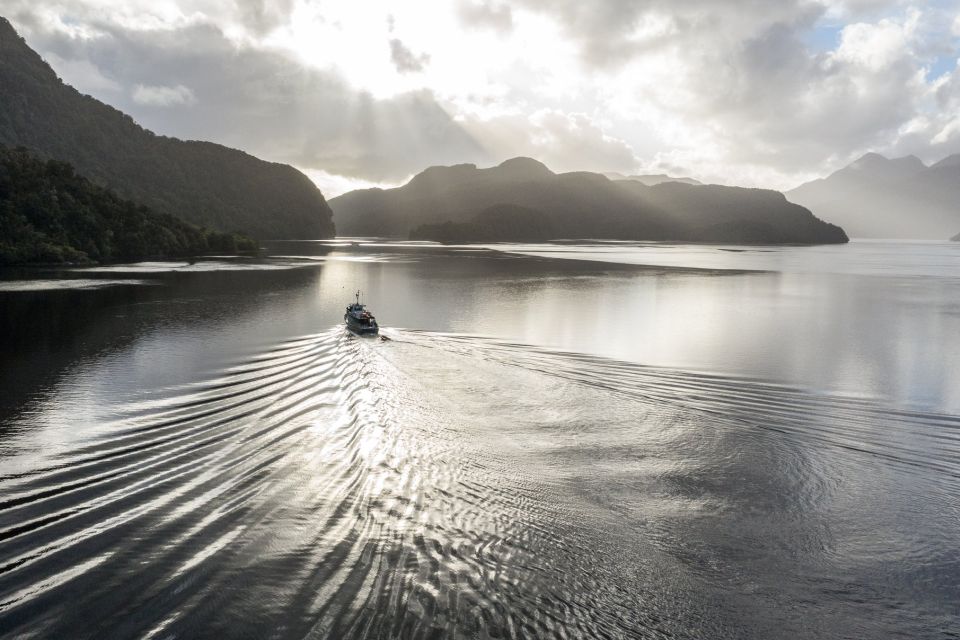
(72, 283)
(864, 257)
(725, 453)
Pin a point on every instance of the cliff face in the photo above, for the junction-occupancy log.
(876, 197)
(463, 203)
(201, 182)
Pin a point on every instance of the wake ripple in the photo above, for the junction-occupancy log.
(306, 492)
(929, 441)
(320, 490)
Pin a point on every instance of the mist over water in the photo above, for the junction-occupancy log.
(629, 441)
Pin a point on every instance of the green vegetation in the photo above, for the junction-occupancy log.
(499, 223)
(203, 183)
(49, 214)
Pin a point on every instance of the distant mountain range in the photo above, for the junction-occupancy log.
(876, 197)
(203, 183)
(521, 199)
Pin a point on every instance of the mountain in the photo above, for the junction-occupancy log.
(201, 182)
(50, 214)
(651, 179)
(956, 238)
(522, 199)
(499, 223)
(877, 197)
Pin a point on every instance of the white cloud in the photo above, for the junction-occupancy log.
(160, 96)
(332, 185)
(877, 46)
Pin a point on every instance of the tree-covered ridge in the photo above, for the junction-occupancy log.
(499, 223)
(521, 199)
(203, 183)
(49, 214)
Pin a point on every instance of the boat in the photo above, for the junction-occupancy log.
(359, 320)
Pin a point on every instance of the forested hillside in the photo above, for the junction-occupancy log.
(50, 214)
(201, 182)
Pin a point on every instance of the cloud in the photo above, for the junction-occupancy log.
(405, 60)
(84, 74)
(562, 141)
(942, 126)
(333, 185)
(749, 91)
(265, 103)
(777, 106)
(485, 14)
(736, 93)
(876, 46)
(263, 16)
(163, 96)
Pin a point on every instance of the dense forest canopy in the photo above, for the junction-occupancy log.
(204, 183)
(499, 223)
(50, 214)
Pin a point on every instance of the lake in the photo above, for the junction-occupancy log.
(579, 439)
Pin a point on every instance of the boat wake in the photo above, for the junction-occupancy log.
(334, 487)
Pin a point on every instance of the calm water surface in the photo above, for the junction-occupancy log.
(571, 440)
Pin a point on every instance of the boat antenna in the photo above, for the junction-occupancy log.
(358, 296)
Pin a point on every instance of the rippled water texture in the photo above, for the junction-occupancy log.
(206, 453)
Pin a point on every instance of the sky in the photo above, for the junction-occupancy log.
(367, 92)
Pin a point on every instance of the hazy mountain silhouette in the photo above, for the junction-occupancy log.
(499, 223)
(522, 199)
(876, 197)
(201, 182)
(956, 238)
(651, 179)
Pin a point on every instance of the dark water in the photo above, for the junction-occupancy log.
(569, 441)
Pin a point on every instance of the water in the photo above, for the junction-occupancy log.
(579, 440)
